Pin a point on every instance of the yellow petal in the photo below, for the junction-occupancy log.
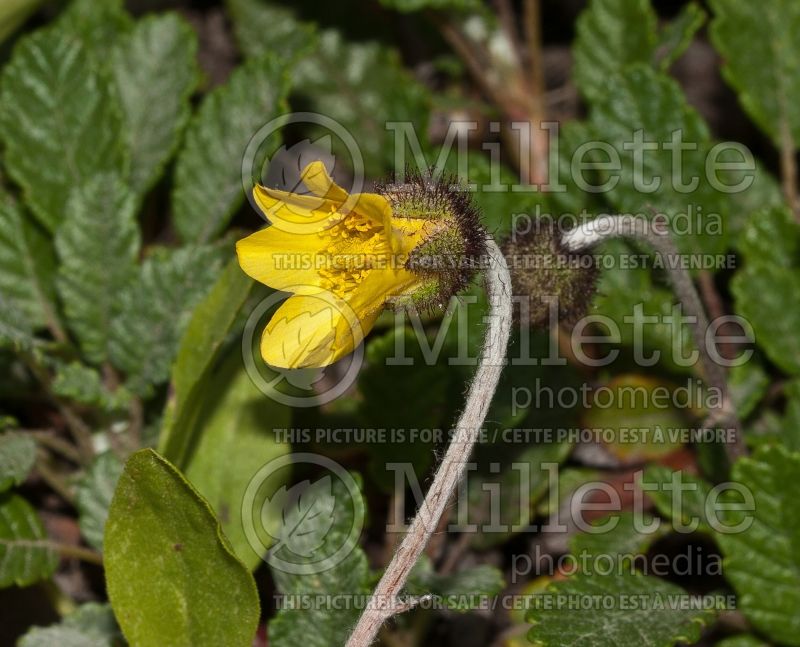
(296, 213)
(319, 182)
(282, 260)
(310, 332)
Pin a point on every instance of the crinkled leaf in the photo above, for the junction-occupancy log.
(657, 619)
(677, 35)
(205, 334)
(83, 384)
(97, 247)
(156, 309)
(678, 496)
(16, 331)
(100, 24)
(612, 34)
(460, 591)
(762, 561)
(25, 553)
(239, 422)
(27, 264)
(17, 456)
(770, 245)
(156, 72)
(208, 175)
(199, 593)
(288, 37)
(323, 625)
(766, 71)
(90, 625)
(621, 536)
(93, 494)
(58, 120)
(362, 86)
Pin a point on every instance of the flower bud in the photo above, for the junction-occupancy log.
(545, 275)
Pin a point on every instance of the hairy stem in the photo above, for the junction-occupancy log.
(656, 234)
(385, 602)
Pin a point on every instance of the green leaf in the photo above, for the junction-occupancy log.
(239, 422)
(93, 494)
(16, 331)
(200, 593)
(387, 389)
(288, 37)
(362, 86)
(633, 610)
(99, 24)
(791, 423)
(199, 347)
(748, 384)
(459, 591)
(323, 625)
(658, 429)
(27, 264)
(90, 625)
(617, 536)
(743, 640)
(97, 245)
(58, 120)
(765, 73)
(17, 456)
(155, 310)
(770, 245)
(761, 561)
(25, 553)
(156, 72)
(641, 99)
(84, 385)
(208, 174)
(677, 35)
(678, 496)
(612, 34)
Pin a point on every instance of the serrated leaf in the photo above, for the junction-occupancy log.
(322, 625)
(99, 24)
(27, 264)
(156, 72)
(155, 310)
(770, 245)
(83, 384)
(16, 331)
(200, 594)
(761, 561)
(618, 536)
(657, 619)
(765, 73)
(678, 496)
(58, 120)
(362, 86)
(90, 625)
(17, 456)
(459, 591)
(208, 174)
(238, 421)
(97, 247)
(93, 493)
(612, 34)
(677, 35)
(288, 37)
(641, 99)
(25, 553)
(307, 514)
(205, 334)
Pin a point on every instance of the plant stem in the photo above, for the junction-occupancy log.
(656, 234)
(539, 140)
(78, 552)
(384, 602)
(789, 173)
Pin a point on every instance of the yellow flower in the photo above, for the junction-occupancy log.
(345, 258)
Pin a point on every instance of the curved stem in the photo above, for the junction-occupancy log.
(384, 602)
(656, 234)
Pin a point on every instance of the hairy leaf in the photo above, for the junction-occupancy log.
(199, 593)
(25, 553)
(90, 625)
(93, 495)
(17, 455)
